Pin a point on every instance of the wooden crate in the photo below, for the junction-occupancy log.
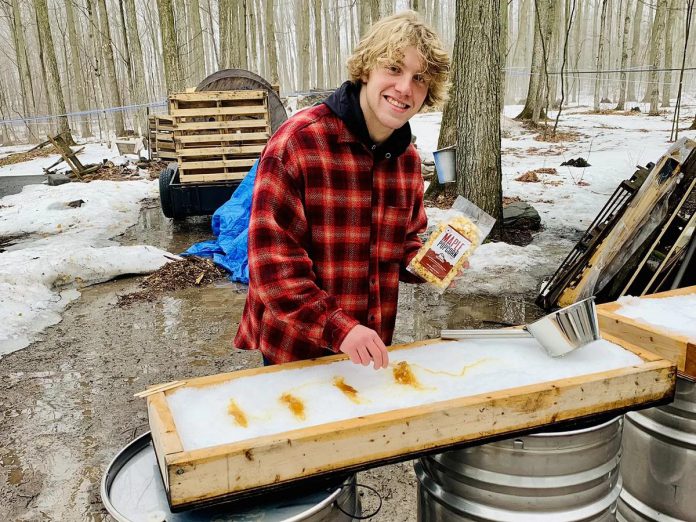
(161, 137)
(218, 135)
(672, 346)
(201, 476)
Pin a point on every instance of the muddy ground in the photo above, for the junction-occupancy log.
(66, 401)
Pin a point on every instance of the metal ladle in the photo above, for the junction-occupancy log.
(559, 333)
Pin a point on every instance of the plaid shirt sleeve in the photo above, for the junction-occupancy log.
(279, 264)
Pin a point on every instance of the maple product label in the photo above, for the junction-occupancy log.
(448, 248)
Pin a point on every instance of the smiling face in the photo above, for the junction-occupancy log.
(392, 94)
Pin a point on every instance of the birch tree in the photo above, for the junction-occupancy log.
(318, 45)
(302, 32)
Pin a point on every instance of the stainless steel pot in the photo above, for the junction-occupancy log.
(547, 477)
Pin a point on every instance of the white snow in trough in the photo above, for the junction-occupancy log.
(677, 314)
(443, 371)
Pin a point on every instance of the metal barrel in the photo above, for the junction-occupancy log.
(659, 460)
(132, 491)
(558, 476)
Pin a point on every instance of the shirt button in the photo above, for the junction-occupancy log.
(372, 281)
(374, 147)
(372, 318)
(387, 155)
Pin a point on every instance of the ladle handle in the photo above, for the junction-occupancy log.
(490, 333)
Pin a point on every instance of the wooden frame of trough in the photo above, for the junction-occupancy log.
(674, 347)
(240, 469)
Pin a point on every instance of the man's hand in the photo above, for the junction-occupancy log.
(363, 345)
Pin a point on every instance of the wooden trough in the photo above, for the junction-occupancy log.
(672, 346)
(218, 135)
(263, 463)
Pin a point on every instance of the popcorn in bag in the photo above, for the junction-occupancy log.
(451, 243)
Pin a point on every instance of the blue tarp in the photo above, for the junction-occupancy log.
(231, 227)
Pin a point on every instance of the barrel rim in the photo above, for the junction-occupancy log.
(140, 443)
(578, 431)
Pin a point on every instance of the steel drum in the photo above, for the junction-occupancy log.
(132, 491)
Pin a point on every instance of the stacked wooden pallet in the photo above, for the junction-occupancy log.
(218, 135)
(161, 137)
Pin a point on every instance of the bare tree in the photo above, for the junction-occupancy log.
(172, 68)
(271, 42)
(599, 63)
(302, 33)
(137, 63)
(635, 51)
(669, 33)
(48, 52)
(318, 45)
(477, 96)
(657, 40)
(624, 58)
(196, 65)
(25, 80)
(110, 66)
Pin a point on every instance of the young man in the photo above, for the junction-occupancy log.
(338, 205)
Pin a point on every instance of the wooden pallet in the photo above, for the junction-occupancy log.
(674, 347)
(609, 256)
(218, 135)
(197, 477)
(161, 138)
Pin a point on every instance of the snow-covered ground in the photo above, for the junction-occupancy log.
(63, 248)
(61, 243)
(93, 153)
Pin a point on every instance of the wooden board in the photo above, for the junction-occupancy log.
(672, 346)
(218, 134)
(200, 476)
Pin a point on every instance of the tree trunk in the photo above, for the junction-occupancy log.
(302, 20)
(196, 53)
(225, 23)
(137, 63)
(172, 70)
(126, 56)
(240, 13)
(657, 41)
(669, 39)
(504, 37)
(181, 29)
(318, 45)
(534, 107)
(600, 56)
(635, 51)
(478, 101)
(78, 77)
(48, 51)
(110, 67)
(621, 105)
(25, 81)
(364, 12)
(271, 42)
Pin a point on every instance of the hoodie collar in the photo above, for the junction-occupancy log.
(345, 103)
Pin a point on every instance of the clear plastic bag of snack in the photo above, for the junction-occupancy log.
(458, 232)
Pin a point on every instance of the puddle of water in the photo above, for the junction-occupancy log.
(452, 311)
(154, 229)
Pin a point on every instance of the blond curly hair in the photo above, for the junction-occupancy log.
(384, 45)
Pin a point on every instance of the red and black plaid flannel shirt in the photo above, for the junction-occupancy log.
(332, 229)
